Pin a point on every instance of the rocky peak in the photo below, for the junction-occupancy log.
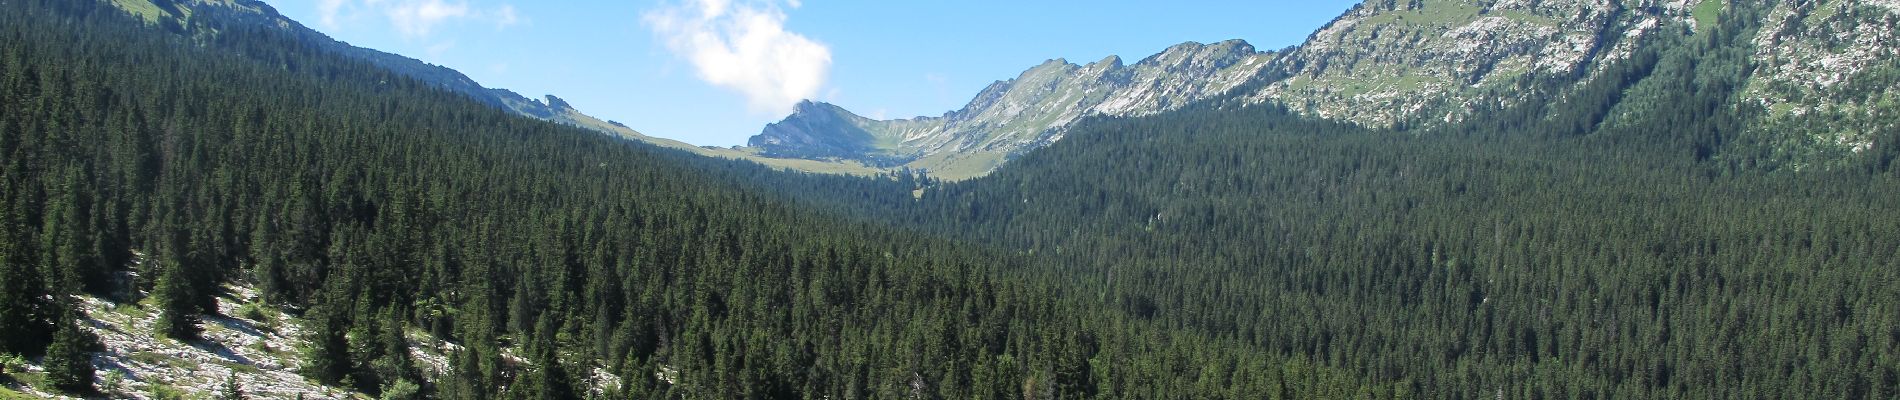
(1016, 115)
(815, 131)
(1412, 63)
(1225, 52)
(558, 104)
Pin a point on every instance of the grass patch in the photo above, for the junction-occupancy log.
(168, 392)
(241, 368)
(10, 394)
(1706, 14)
(135, 311)
(36, 380)
(1826, 12)
(254, 312)
(146, 357)
(143, 9)
(1521, 16)
(1781, 110)
(957, 167)
(263, 346)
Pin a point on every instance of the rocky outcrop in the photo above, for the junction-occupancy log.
(1392, 64)
(1381, 64)
(1822, 73)
(818, 131)
(1825, 78)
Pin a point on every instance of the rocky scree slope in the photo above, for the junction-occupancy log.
(1826, 79)
(1393, 64)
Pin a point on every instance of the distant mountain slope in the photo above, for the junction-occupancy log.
(199, 17)
(1016, 115)
(1394, 64)
(1817, 67)
(1826, 79)
(194, 16)
(1821, 73)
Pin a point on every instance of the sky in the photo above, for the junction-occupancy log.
(714, 72)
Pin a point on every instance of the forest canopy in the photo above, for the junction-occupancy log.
(1213, 252)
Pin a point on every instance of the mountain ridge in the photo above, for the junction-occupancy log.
(1011, 116)
(1419, 64)
(197, 17)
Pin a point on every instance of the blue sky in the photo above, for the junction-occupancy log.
(713, 72)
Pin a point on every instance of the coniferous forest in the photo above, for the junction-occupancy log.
(1563, 249)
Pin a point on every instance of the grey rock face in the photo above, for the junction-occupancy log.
(1388, 63)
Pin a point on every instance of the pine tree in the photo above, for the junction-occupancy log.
(25, 326)
(68, 363)
(231, 390)
(394, 363)
(328, 358)
(177, 314)
(550, 379)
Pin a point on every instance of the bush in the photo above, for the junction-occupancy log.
(167, 392)
(253, 312)
(10, 363)
(113, 383)
(403, 389)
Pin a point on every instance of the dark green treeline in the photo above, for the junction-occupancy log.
(1614, 238)
(164, 161)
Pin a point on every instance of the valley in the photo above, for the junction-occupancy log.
(1426, 199)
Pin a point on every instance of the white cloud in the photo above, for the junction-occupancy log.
(505, 16)
(418, 18)
(437, 50)
(745, 47)
(413, 18)
(328, 11)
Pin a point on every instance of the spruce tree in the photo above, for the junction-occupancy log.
(394, 363)
(328, 358)
(231, 390)
(25, 326)
(177, 315)
(550, 379)
(68, 363)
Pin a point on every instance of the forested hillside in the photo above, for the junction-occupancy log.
(1609, 242)
(1619, 241)
(1469, 266)
(151, 168)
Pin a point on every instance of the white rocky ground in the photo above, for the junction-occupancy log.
(264, 353)
(140, 365)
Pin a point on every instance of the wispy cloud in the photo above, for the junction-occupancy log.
(505, 16)
(329, 11)
(414, 18)
(745, 47)
(418, 18)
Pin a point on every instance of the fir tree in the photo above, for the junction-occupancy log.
(231, 390)
(177, 313)
(68, 362)
(25, 323)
